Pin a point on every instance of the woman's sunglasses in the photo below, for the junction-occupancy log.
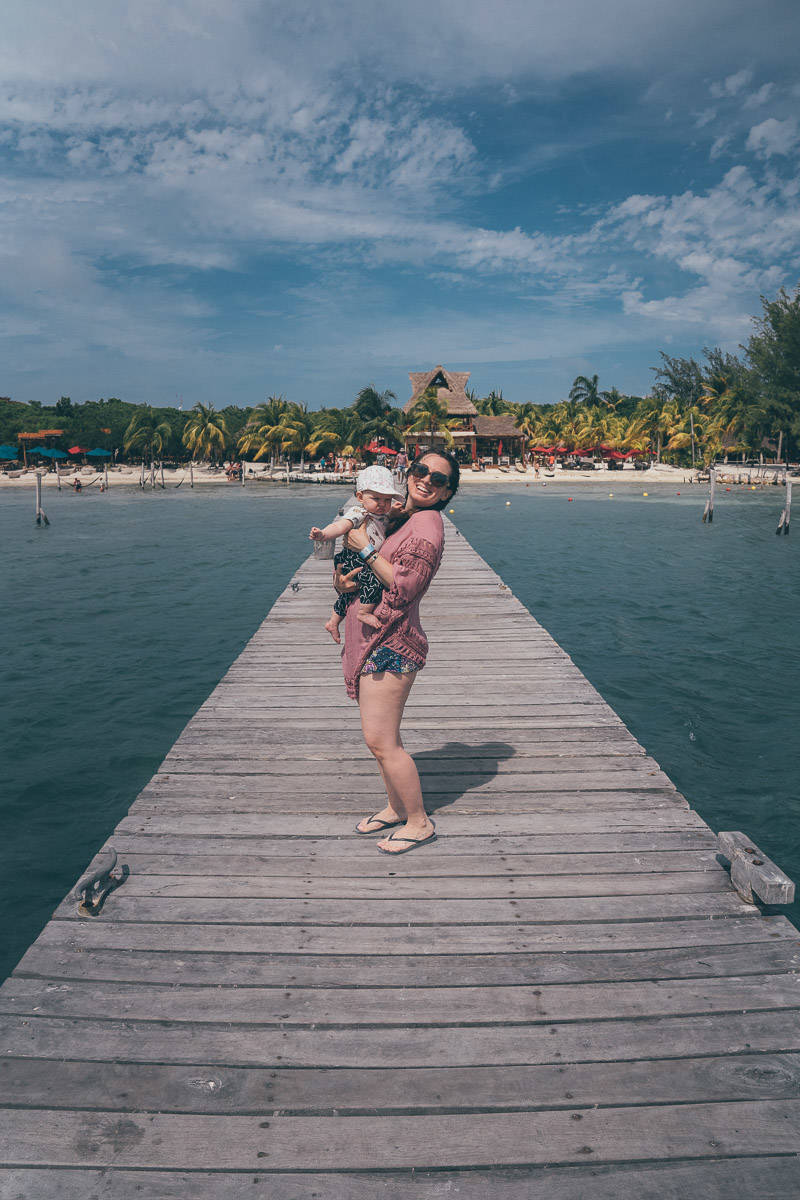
(436, 478)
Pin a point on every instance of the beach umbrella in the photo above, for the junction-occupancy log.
(37, 450)
(77, 450)
(98, 454)
(9, 453)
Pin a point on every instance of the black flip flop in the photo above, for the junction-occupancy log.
(415, 843)
(382, 825)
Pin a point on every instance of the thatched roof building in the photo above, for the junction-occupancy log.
(504, 426)
(450, 387)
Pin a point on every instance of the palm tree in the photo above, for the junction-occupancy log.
(612, 398)
(494, 404)
(429, 415)
(146, 434)
(205, 434)
(298, 430)
(263, 432)
(378, 419)
(584, 390)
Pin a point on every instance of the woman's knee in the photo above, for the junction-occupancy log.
(381, 743)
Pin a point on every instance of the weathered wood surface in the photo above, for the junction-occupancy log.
(561, 997)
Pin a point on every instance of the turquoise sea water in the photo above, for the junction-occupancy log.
(119, 619)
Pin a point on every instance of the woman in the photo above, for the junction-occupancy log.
(380, 666)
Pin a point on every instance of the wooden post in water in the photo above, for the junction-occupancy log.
(58, 475)
(105, 474)
(41, 519)
(161, 465)
(191, 474)
(708, 512)
(141, 481)
(287, 470)
(783, 523)
(152, 473)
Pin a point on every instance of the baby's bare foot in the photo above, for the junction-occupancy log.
(332, 627)
(369, 619)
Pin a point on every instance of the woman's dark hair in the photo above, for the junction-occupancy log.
(397, 520)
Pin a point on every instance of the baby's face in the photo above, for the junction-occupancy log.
(375, 503)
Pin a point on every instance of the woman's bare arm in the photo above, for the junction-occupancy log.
(357, 540)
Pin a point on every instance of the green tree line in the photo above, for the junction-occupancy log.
(722, 405)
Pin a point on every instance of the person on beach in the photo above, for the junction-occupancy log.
(375, 491)
(380, 665)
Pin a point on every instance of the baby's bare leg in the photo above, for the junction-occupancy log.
(365, 612)
(332, 625)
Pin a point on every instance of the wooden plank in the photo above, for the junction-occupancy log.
(178, 797)
(132, 1087)
(180, 1142)
(387, 1007)
(451, 847)
(473, 869)
(683, 1036)
(460, 914)
(431, 939)
(776, 1178)
(472, 833)
(74, 959)
(454, 887)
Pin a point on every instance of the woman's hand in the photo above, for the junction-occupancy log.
(346, 581)
(357, 539)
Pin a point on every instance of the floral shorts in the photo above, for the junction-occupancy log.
(383, 659)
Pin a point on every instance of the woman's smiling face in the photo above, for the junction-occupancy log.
(421, 492)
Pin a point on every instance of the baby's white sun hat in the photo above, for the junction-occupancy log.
(378, 480)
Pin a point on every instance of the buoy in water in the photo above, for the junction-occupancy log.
(570, 499)
(452, 510)
(645, 493)
(508, 503)
(611, 493)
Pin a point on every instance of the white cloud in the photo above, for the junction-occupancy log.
(732, 85)
(760, 96)
(773, 137)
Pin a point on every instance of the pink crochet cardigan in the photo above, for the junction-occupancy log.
(415, 552)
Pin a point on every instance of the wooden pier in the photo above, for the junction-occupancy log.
(562, 997)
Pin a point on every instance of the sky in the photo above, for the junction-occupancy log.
(208, 201)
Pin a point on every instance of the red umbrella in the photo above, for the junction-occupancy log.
(77, 450)
(377, 448)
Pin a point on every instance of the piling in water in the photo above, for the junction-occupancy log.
(783, 523)
(41, 519)
(708, 512)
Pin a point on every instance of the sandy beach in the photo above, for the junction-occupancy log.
(660, 474)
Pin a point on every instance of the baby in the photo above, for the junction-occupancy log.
(375, 491)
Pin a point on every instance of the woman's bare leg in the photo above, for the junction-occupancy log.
(382, 698)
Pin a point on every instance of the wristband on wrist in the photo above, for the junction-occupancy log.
(367, 552)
